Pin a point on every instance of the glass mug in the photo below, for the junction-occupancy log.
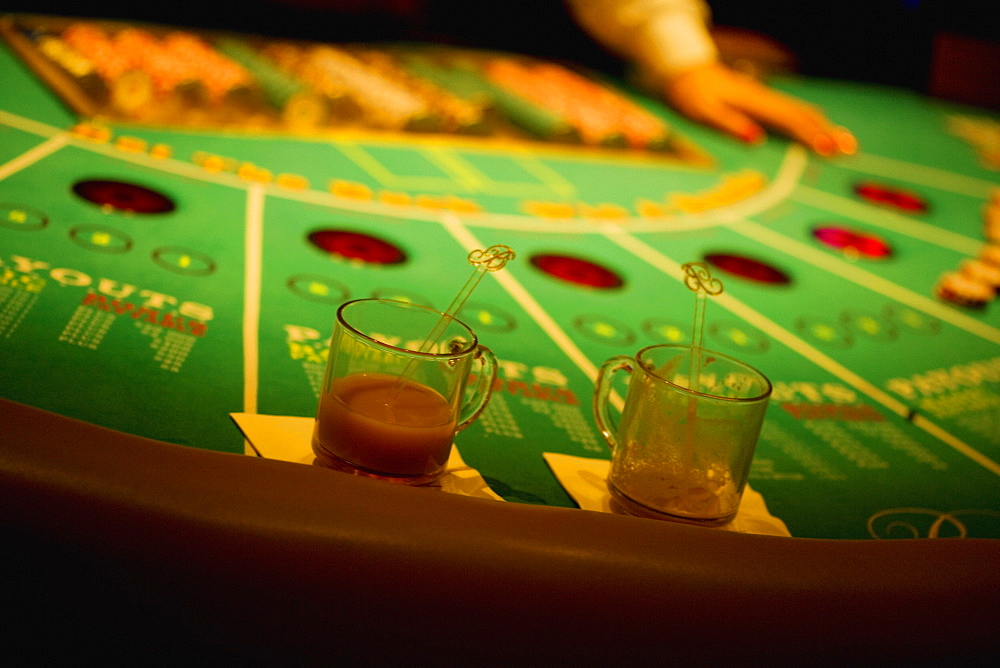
(391, 404)
(682, 453)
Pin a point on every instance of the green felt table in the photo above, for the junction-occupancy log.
(885, 417)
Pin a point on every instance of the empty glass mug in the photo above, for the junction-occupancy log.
(682, 450)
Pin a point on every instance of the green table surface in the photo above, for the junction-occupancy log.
(885, 418)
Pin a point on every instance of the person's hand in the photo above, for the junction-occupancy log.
(742, 106)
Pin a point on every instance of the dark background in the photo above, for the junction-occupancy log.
(950, 49)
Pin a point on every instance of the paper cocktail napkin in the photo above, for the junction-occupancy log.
(583, 478)
(290, 439)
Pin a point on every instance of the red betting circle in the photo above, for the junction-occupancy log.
(891, 196)
(123, 196)
(846, 239)
(748, 268)
(577, 271)
(357, 246)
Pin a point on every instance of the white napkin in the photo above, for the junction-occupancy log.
(290, 439)
(583, 478)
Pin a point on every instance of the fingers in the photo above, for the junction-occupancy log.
(794, 118)
(726, 118)
(742, 107)
(846, 142)
(696, 95)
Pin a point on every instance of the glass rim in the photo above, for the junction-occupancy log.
(768, 389)
(471, 345)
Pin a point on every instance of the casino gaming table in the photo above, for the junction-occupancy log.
(158, 275)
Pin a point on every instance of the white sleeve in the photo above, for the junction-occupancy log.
(663, 36)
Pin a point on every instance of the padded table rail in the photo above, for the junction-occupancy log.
(216, 554)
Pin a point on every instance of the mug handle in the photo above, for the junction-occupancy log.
(483, 390)
(602, 390)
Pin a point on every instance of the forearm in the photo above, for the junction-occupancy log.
(662, 36)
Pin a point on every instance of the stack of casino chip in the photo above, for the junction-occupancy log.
(301, 107)
(977, 280)
(456, 113)
(75, 64)
(97, 46)
(600, 115)
(194, 59)
(141, 68)
(464, 79)
(990, 254)
(385, 103)
(957, 288)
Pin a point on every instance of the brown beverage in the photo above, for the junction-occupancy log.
(372, 422)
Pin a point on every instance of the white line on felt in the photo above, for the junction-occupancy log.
(673, 269)
(29, 125)
(957, 444)
(864, 278)
(893, 222)
(166, 165)
(251, 295)
(29, 158)
(524, 298)
(789, 172)
(781, 187)
(901, 170)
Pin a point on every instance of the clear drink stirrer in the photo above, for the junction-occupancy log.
(493, 258)
(700, 281)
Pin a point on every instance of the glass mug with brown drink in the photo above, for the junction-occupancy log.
(682, 450)
(392, 400)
